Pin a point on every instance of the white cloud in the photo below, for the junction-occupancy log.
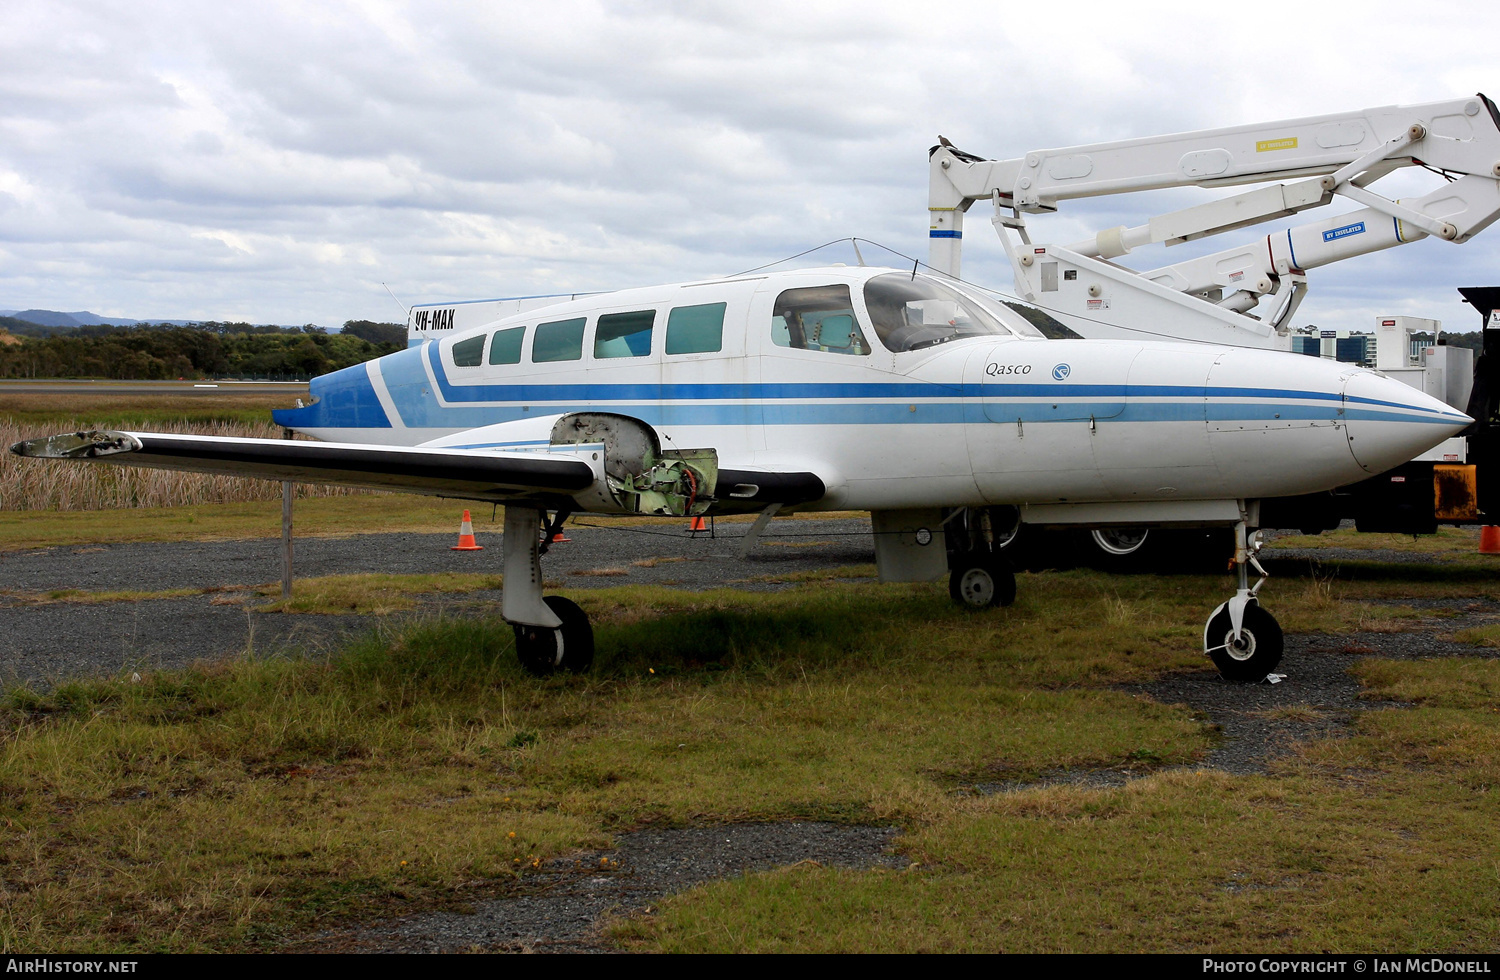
(278, 162)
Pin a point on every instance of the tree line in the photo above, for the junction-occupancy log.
(208, 350)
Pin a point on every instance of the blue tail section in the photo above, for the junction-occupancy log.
(341, 400)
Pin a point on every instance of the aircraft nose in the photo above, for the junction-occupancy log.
(1389, 423)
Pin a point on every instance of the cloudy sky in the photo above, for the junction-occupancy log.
(279, 162)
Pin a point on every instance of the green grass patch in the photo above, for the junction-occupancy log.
(1181, 862)
(1484, 636)
(371, 594)
(81, 596)
(1447, 541)
(1448, 682)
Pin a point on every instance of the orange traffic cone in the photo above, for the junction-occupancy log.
(1489, 540)
(466, 537)
(699, 524)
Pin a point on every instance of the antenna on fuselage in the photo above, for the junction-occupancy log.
(404, 311)
(857, 255)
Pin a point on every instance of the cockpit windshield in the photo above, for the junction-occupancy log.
(909, 314)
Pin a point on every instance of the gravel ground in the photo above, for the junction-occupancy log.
(45, 642)
(561, 907)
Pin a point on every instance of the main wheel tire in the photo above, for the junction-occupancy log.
(570, 646)
(981, 580)
(1257, 652)
(1118, 549)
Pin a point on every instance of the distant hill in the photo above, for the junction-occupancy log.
(82, 318)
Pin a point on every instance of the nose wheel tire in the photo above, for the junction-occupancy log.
(569, 647)
(982, 581)
(1254, 655)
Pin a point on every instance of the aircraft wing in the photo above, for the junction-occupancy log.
(544, 477)
(467, 473)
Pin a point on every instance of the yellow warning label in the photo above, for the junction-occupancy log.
(1285, 143)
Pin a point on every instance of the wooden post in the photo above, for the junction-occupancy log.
(286, 535)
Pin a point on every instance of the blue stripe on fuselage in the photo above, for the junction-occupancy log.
(347, 400)
(590, 393)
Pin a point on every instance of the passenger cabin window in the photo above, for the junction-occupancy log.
(696, 329)
(560, 340)
(909, 314)
(817, 318)
(469, 353)
(624, 334)
(506, 347)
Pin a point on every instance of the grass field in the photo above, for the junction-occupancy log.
(112, 410)
(239, 806)
(245, 805)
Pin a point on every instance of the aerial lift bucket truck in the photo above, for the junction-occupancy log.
(1247, 295)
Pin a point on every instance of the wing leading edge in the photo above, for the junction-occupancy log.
(542, 477)
(470, 474)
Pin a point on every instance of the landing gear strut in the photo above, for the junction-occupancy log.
(552, 634)
(1243, 640)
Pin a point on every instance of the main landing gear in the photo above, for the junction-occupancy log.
(981, 579)
(552, 633)
(980, 576)
(570, 646)
(1243, 640)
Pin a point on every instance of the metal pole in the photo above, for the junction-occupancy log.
(286, 535)
(286, 539)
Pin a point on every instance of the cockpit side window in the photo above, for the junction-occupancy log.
(817, 318)
(469, 353)
(909, 314)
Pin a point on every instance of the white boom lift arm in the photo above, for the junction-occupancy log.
(1209, 299)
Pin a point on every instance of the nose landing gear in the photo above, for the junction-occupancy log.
(1242, 639)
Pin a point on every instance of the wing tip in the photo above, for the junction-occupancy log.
(90, 444)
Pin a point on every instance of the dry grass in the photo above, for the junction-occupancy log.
(36, 484)
(326, 517)
(376, 595)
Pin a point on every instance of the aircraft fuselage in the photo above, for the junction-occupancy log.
(997, 417)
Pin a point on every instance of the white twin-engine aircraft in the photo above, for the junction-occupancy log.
(909, 396)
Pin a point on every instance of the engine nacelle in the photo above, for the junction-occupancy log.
(639, 476)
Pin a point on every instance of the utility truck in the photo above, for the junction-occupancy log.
(1246, 295)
